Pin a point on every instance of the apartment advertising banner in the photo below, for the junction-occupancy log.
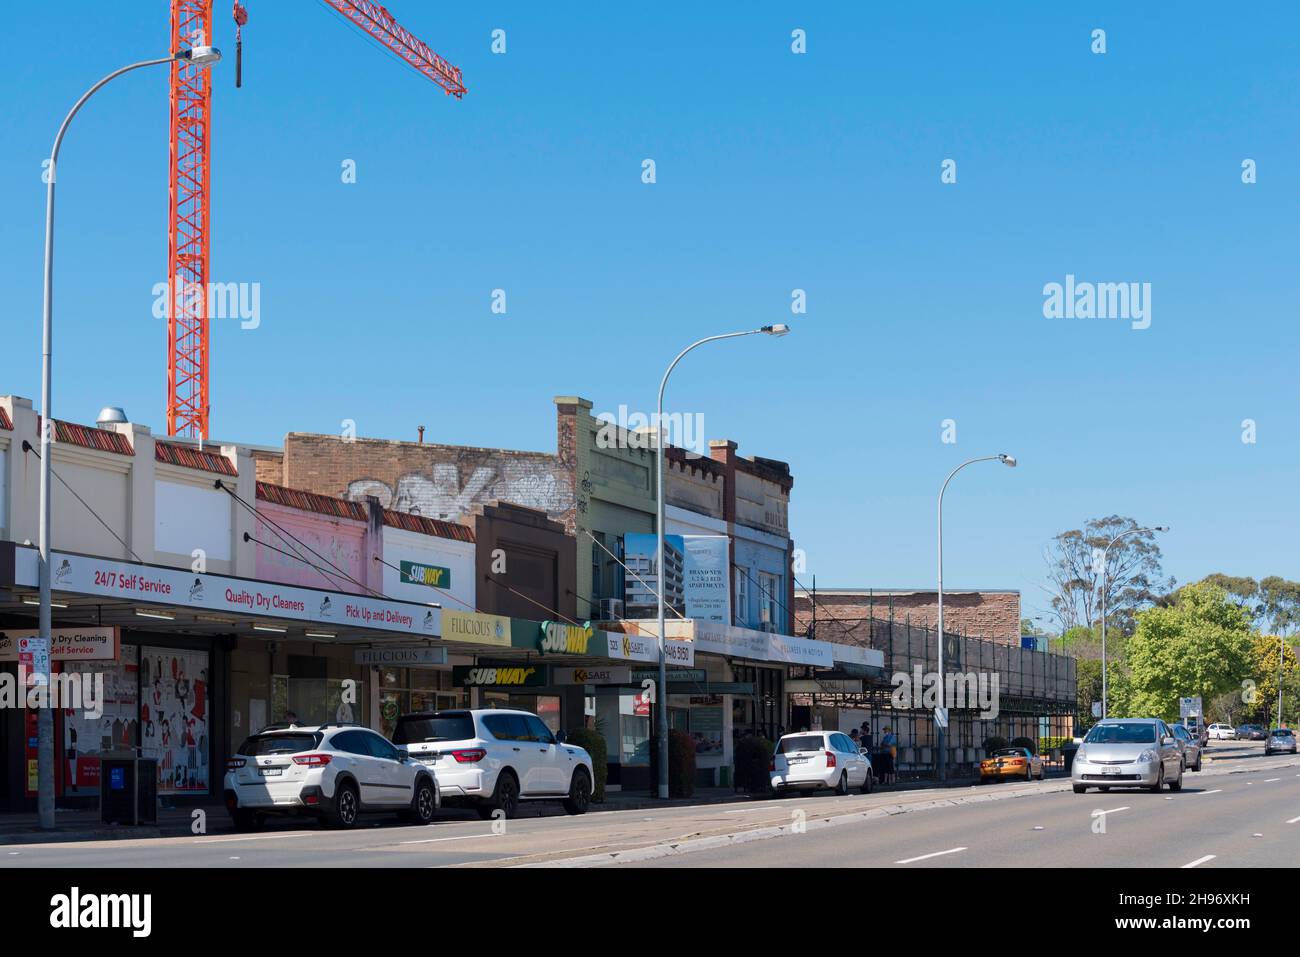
(697, 583)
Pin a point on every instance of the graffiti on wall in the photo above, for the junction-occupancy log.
(441, 493)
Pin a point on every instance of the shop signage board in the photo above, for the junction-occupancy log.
(562, 637)
(432, 576)
(505, 674)
(731, 640)
(401, 657)
(694, 675)
(475, 627)
(823, 686)
(626, 647)
(594, 675)
(179, 588)
(67, 644)
(800, 651)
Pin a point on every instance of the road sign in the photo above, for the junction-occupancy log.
(35, 654)
(1096, 709)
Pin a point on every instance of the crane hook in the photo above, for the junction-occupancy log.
(240, 14)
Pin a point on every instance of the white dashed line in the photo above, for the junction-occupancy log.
(1294, 820)
(1199, 860)
(1215, 791)
(259, 837)
(923, 857)
(1271, 780)
(439, 840)
(1114, 810)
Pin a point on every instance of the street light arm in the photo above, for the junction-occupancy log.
(681, 355)
(63, 129)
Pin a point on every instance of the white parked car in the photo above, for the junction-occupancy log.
(334, 772)
(812, 760)
(1223, 732)
(494, 758)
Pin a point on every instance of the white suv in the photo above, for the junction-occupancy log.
(495, 758)
(335, 772)
(811, 760)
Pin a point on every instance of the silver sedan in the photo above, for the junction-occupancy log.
(1128, 753)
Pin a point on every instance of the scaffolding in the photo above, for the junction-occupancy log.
(1036, 693)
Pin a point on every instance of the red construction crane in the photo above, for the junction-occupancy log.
(190, 234)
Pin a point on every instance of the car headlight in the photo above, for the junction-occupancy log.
(1146, 757)
(1081, 755)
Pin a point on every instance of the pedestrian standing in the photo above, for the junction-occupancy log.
(890, 745)
(866, 738)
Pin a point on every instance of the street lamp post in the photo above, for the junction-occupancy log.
(1104, 552)
(204, 56)
(661, 692)
(941, 722)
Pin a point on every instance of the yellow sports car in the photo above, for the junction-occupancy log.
(1013, 763)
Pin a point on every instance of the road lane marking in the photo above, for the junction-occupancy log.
(1271, 780)
(259, 837)
(1294, 820)
(1215, 791)
(439, 840)
(1114, 810)
(1198, 861)
(923, 857)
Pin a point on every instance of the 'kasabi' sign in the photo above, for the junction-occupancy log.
(434, 576)
(498, 676)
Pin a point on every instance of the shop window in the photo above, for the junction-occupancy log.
(742, 596)
(174, 715)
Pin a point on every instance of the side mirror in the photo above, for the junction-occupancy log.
(559, 737)
(1166, 740)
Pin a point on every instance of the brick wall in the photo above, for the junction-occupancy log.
(436, 481)
(994, 615)
(270, 466)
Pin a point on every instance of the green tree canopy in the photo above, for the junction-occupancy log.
(1198, 645)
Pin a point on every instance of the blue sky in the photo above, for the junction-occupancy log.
(775, 171)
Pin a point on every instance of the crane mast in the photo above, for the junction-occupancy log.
(189, 230)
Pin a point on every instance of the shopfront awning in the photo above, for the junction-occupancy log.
(111, 592)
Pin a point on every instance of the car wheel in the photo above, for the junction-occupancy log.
(424, 805)
(1080, 788)
(869, 782)
(1160, 780)
(1197, 769)
(506, 798)
(579, 792)
(1177, 785)
(843, 786)
(347, 806)
(1029, 773)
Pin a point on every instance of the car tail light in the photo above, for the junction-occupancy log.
(830, 759)
(311, 799)
(771, 765)
(234, 764)
(1016, 761)
(312, 760)
(469, 755)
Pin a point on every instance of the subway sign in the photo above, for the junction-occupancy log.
(432, 576)
(563, 638)
(503, 675)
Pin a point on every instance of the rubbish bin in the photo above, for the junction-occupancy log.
(128, 790)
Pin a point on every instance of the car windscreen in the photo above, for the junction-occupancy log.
(1126, 733)
(1282, 733)
(279, 743)
(801, 742)
(1009, 753)
(417, 728)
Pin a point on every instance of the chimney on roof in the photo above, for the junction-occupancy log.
(110, 416)
(421, 430)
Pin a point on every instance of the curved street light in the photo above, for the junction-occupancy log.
(661, 696)
(204, 57)
(1104, 552)
(941, 764)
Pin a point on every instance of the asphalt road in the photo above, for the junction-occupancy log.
(1243, 810)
